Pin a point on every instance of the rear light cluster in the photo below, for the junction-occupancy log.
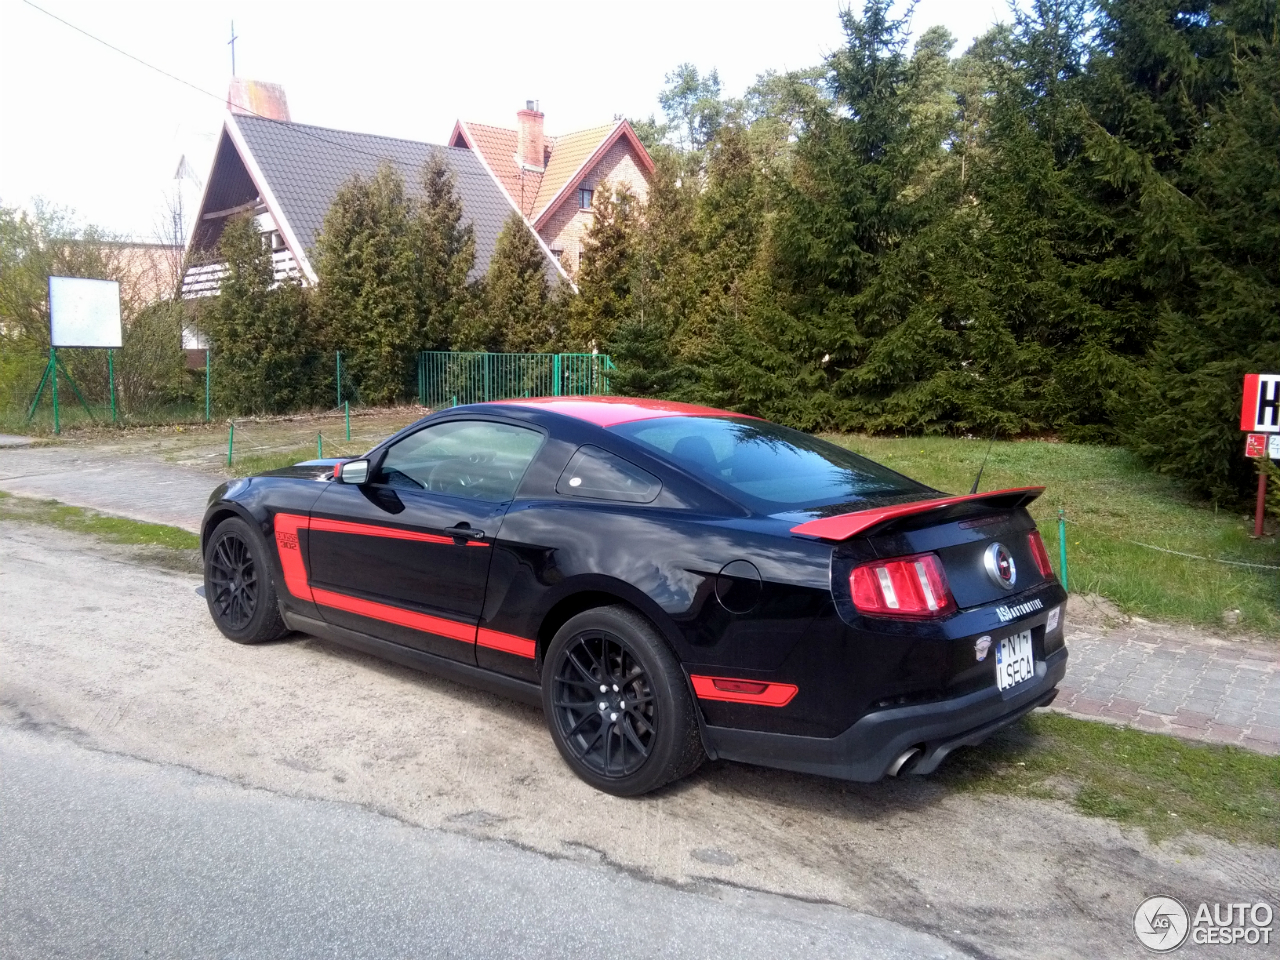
(912, 587)
(1041, 554)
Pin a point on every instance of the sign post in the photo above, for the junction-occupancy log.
(82, 313)
(1260, 416)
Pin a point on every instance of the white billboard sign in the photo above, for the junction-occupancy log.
(84, 313)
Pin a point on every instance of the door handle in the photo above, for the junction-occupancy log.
(465, 531)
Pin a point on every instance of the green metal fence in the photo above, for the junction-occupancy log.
(446, 377)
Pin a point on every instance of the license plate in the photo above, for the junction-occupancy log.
(1014, 662)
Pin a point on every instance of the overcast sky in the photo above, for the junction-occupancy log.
(88, 129)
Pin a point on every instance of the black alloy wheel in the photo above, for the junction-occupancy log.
(604, 704)
(233, 579)
(618, 704)
(237, 584)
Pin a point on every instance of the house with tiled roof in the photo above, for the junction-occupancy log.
(287, 175)
(552, 180)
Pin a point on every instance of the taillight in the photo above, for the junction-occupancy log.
(1041, 554)
(903, 587)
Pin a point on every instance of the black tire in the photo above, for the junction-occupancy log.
(625, 748)
(237, 585)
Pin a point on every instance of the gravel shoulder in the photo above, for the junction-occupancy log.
(121, 657)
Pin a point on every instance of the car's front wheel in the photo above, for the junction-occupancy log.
(618, 704)
(237, 585)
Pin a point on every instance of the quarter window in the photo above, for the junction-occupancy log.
(475, 459)
(596, 474)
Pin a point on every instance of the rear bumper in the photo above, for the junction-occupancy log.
(869, 748)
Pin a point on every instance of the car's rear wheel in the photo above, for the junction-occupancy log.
(618, 704)
(237, 585)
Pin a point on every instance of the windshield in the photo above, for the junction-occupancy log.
(766, 466)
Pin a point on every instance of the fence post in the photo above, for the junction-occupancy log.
(422, 378)
(1062, 545)
(338, 357)
(346, 409)
(231, 440)
(207, 374)
(487, 355)
(555, 376)
(319, 445)
(111, 383)
(53, 370)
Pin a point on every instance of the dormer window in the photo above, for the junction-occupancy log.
(585, 195)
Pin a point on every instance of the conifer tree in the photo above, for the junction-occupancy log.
(647, 344)
(264, 348)
(605, 271)
(1226, 323)
(371, 296)
(446, 249)
(518, 291)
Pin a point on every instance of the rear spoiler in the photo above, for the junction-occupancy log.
(846, 525)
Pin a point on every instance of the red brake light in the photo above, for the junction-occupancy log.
(904, 587)
(1041, 554)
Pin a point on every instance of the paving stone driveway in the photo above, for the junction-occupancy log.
(127, 486)
(1175, 680)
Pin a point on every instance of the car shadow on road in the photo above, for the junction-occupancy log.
(801, 793)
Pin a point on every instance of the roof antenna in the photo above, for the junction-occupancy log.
(978, 478)
(232, 44)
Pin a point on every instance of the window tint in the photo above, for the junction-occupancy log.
(463, 458)
(768, 467)
(598, 475)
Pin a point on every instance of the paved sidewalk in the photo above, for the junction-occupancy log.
(134, 487)
(1175, 680)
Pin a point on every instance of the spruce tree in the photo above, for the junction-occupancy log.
(518, 291)
(1226, 322)
(605, 271)
(446, 250)
(646, 346)
(264, 348)
(371, 297)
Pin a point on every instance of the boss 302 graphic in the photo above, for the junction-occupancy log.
(668, 582)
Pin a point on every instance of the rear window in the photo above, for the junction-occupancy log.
(766, 466)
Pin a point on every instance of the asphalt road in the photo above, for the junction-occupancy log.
(108, 856)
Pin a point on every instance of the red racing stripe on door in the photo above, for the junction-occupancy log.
(398, 615)
(288, 545)
(290, 550)
(369, 530)
(507, 643)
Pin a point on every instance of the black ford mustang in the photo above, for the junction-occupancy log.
(668, 582)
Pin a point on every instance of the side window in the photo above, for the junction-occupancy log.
(476, 459)
(596, 474)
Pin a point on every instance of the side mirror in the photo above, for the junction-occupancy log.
(352, 471)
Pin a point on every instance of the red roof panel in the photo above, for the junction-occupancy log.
(611, 411)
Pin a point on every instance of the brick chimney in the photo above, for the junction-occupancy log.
(255, 98)
(529, 140)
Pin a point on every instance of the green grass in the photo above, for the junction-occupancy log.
(111, 529)
(1111, 498)
(1164, 785)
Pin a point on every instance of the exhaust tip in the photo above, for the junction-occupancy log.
(904, 763)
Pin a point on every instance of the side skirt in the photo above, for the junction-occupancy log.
(472, 676)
